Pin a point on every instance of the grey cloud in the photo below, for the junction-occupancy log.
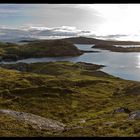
(71, 15)
(49, 33)
(114, 36)
(40, 32)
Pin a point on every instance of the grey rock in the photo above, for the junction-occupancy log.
(35, 120)
(109, 123)
(121, 110)
(134, 115)
(82, 121)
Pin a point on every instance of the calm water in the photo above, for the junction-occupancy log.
(124, 65)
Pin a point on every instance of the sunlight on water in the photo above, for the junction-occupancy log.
(138, 57)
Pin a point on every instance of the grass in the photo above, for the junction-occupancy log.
(66, 92)
(48, 48)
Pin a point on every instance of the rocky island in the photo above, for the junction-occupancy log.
(116, 49)
(47, 48)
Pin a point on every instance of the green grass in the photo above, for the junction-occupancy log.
(48, 48)
(66, 92)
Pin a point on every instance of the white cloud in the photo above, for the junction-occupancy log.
(40, 32)
(27, 32)
(118, 18)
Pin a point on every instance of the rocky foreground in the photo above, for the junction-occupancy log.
(66, 99)
(35, 121)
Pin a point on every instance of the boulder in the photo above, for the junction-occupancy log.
(134, 115)
(82, 121)
(121, 110)
(109, 123)
(35, 121)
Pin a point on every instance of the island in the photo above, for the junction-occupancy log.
(89, 40)
(116, 49)
(61, 47)
(47, 48)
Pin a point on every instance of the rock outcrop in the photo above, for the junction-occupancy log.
(121, 110)
(9, 57)
(35, 121)
(134, 115)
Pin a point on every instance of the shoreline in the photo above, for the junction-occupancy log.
(22, 67)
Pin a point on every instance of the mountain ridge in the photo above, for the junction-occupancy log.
(88, 40)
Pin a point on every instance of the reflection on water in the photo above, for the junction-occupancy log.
(124, 65)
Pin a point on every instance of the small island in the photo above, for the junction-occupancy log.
(116, 49)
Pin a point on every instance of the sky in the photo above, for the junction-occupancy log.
(108, 21)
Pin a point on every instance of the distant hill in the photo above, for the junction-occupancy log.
(85, 40)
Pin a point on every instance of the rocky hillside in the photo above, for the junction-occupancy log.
(66, 99)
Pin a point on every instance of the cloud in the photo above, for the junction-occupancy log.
(3, 11)
(82, 16)
(104, 19)
(15, 10)
(9, 9)
(115, 36)
(43, 32)
(52, 15)
(65, 31)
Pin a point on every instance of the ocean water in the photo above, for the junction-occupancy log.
(123, 65)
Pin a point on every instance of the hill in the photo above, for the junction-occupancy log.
(66, 99)
(86, 40)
